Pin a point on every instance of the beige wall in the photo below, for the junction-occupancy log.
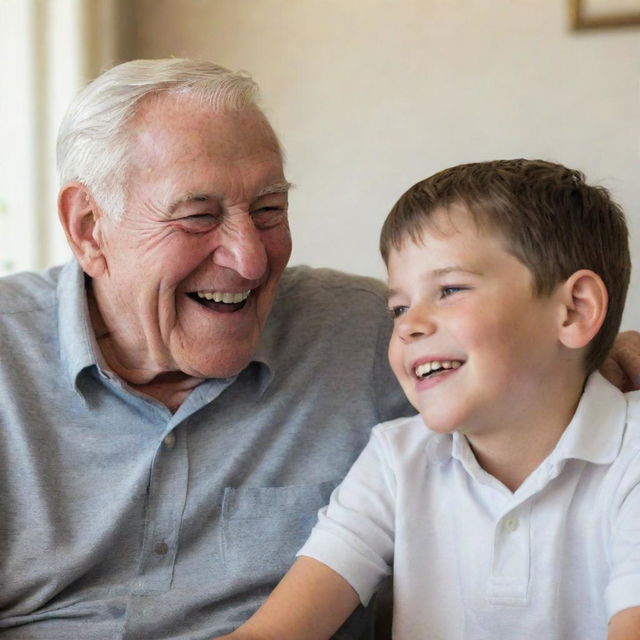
(371, 95)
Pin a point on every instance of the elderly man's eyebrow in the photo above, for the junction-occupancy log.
(193, 196)
(280, 187)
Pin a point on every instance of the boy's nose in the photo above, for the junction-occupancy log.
(416, 323)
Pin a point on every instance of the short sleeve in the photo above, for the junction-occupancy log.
(355, 533)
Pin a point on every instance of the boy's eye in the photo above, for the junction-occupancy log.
(445, 292)
(397, 311)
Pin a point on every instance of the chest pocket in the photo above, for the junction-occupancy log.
(263, 528)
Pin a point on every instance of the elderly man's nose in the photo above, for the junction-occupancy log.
(243, 251)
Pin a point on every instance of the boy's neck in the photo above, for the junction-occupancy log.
(513, 453)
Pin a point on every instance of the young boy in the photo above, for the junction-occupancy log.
(516, 514)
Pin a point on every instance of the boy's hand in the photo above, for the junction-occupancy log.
(622, 367)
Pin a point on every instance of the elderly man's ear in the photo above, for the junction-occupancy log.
(80, 217)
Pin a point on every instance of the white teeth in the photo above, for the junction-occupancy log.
(423, 370)
(224, 296)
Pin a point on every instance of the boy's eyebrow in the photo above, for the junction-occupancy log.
(456, 268)
(438, 273)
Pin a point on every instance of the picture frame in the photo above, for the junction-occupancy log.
(603, 14)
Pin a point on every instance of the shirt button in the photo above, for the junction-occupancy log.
(160, 548)
(169, 441)
(511, 523)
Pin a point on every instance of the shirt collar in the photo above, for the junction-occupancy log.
(596, 430)
(78, 348)
(594, 434)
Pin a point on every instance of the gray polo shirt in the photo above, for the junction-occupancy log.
(119, 519)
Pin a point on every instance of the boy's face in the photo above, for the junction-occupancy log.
(465, 308)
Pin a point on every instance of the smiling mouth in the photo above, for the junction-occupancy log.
(224, 301)
(436, 367)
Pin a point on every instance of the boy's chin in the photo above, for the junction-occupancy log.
(438, 424)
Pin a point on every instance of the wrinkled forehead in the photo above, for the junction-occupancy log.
(183, 151)
(184, 118)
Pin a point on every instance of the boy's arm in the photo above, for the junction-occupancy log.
(625, 625)
(310, 603)
(355, 535)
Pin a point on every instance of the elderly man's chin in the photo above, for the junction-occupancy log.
(206, 350)
(208, 343)
(206, 359)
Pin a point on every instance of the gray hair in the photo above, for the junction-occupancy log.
(93, 139)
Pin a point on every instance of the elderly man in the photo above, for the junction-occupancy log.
(175, 404)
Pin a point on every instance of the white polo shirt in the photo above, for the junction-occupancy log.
(554, 560)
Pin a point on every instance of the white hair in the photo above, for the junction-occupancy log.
(93, 139)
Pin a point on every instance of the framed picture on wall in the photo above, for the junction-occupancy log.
(596, 14)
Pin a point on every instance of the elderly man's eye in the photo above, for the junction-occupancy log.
(199, 221)
(267, 217)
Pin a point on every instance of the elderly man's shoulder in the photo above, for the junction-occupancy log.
(337, 320)
(303, 282)
(28, 291)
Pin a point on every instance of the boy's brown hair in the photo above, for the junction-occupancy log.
(552, 221)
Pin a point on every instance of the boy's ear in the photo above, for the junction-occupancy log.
(79, 215)
(584, 297)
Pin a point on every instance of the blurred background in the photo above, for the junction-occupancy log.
(368, 96)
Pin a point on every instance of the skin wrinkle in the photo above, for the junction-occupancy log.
(282, 187)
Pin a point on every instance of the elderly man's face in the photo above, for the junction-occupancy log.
(192, 267)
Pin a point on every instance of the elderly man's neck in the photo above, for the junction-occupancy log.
(170, 387)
